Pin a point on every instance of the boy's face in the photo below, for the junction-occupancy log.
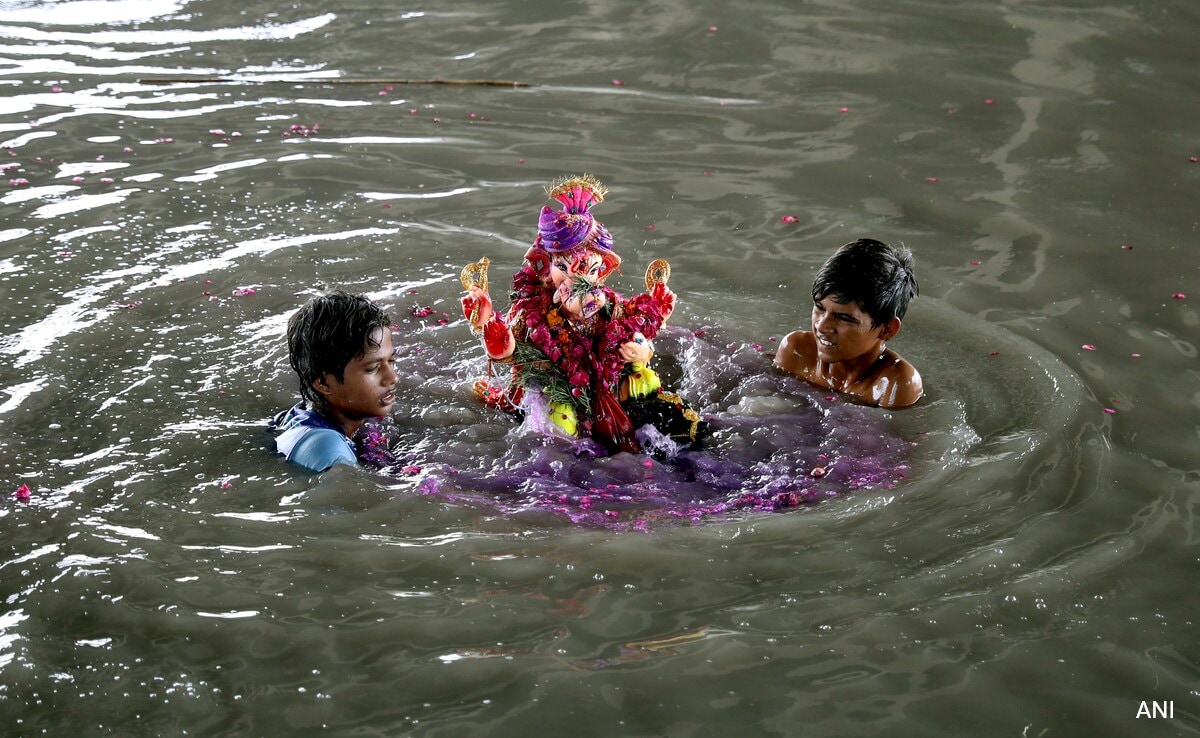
(844, 331)
(368, 386)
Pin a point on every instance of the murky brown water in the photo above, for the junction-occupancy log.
(1031, 575)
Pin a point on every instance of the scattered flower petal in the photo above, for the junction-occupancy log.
(789, 219)
(618, 83)
(1179, 296)
(989, 101)
(1126, 247)
(1088, 347)
(22, 493)
(1109, 410)
(931, 179)
(844, 110)
(244, 291)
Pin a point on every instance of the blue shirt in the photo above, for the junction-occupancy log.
(311, 441)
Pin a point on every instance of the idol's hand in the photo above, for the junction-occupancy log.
(665, 297)
(477, 308)
(637, 351)
(498, 339)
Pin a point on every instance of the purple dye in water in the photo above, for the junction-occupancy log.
(776, 444)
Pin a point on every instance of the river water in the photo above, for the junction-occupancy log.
(1016, 556)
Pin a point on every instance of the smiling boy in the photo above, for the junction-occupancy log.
(340, 346)
(859, 297)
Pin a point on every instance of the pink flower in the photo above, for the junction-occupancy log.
(22, 493)
(1179, 296)
(788, 219)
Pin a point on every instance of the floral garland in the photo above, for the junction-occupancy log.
(569, 359)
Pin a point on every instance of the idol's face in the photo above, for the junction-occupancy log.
(567, 266)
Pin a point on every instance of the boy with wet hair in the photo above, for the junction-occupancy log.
(859, 297)
(340, 346)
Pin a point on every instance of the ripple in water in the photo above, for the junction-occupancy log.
(776, 444)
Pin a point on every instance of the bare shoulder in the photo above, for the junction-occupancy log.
(899, 384)
(797, 353)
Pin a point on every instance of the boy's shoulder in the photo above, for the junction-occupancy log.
(797, 353)
(309, 440)
(898, 383)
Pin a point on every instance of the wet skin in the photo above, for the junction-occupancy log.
(845, 352)
(367, 388)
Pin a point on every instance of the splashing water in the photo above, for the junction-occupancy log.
(776, 444)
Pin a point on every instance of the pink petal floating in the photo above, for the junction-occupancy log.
(1179, 296)
(931, 179)
(1110, 411)
(22, 493)
(106, 180)
(989, 101)
(712, 29)
(77, 179)
(994, 353)
(976, 263)
(651, 227)
(618, 83)
(1126, 247)
(244, 291)
(226, 485)
(410, 470)
(1088, 347)
(1136, 355)
(18, 182)
(789, 219)
(844, 110)
(1194, 159)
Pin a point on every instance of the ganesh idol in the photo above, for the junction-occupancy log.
(578, 353)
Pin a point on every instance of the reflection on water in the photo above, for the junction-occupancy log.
(1006, 557)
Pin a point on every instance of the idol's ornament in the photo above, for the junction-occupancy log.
(577, 352)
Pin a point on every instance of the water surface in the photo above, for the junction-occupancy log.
(1023, 568)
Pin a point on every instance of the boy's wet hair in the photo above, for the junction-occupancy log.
(328, 333)
(877, 276)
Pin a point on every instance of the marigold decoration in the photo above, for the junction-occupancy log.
(565, 329)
